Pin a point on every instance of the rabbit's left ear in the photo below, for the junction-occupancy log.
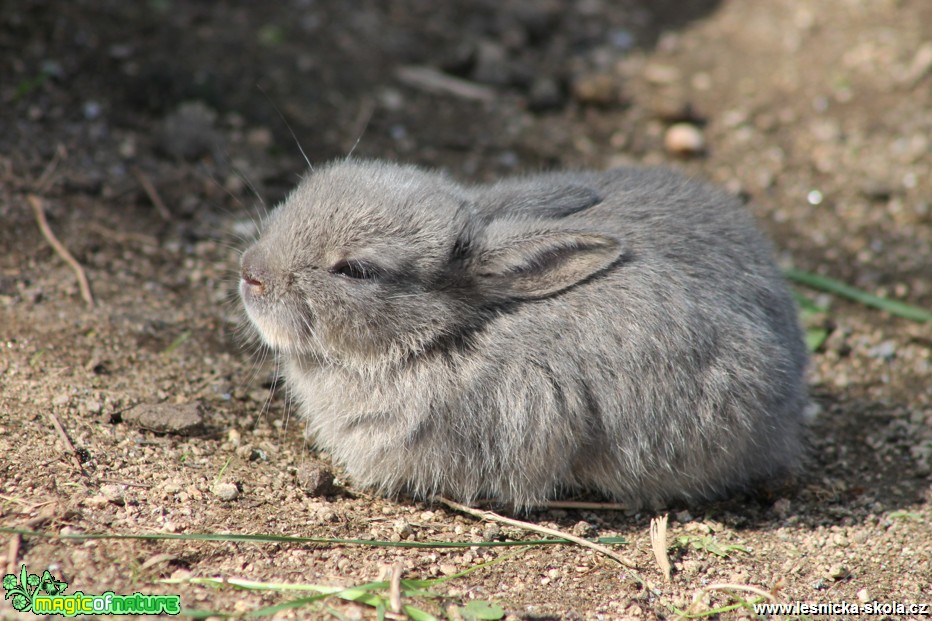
(543, 198)
(519, 261)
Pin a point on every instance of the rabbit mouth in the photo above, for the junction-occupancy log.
(288, 332)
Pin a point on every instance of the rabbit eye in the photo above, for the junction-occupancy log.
(356, 270)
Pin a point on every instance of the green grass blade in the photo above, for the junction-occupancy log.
(417, 614)
(837, 287)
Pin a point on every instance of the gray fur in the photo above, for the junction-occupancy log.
(625, 332)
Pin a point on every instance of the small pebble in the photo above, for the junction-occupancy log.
(837, 572)
(545, 94)
(684, 140)
(113, 493)
(782, 507)
(583, 529)
(316, 480)
(491, 64)
(884, 351)
(661, 74)
(225, 491)
(188, 132)
(598, 89)
(92, 406)
(491, 532)
(181, 419)
(402, 528)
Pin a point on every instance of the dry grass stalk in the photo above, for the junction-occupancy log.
(39, 209)
(658, 542)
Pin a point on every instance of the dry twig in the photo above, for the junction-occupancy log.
(394, 592)
(152, 193)
(12, 554)
(67, 441)
(433, 81)
(722, 586)
(45, 178)
(489, 515)
(36, 203)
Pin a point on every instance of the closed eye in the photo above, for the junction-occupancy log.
(357, 270)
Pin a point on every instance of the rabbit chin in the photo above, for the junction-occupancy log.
(277, 336)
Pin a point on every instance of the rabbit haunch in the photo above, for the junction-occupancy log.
(624, 332)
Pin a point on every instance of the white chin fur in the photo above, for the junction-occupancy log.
(274, 335)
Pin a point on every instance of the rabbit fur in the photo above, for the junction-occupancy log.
(624, 332)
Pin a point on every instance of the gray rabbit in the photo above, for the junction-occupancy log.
(624, 332)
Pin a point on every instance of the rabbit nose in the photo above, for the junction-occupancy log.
(253, 282)
(254, 276)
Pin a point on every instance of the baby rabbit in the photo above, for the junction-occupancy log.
(624, 332)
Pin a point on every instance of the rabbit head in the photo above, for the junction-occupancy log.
(367, 263)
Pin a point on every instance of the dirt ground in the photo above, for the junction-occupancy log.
(820, 114)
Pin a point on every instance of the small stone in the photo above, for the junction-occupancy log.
(885, 351)
(661, 74)
(599, 89)
(491, 532)
(181, 419)
(684, 140)
(782, 507)
(863, 596)
(188, 132)
(491, 64)
(316, 480)
(583, 529)
(258, 454)
(837, 572)
(447, 569)
(259, 137)
(98, 501)
(402, 529)
(92, 406)
(739, 577)
(113, 494)
(225, 491)
(545, 94)
(879, 191)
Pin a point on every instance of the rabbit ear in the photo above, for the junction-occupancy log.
(546, 198)
(517, 262)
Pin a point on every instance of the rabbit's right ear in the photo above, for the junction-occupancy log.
(546, 198)
(518, 260)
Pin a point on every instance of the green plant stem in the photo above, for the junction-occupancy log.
(831, 285)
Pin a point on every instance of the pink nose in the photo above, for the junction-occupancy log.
(252, 283)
